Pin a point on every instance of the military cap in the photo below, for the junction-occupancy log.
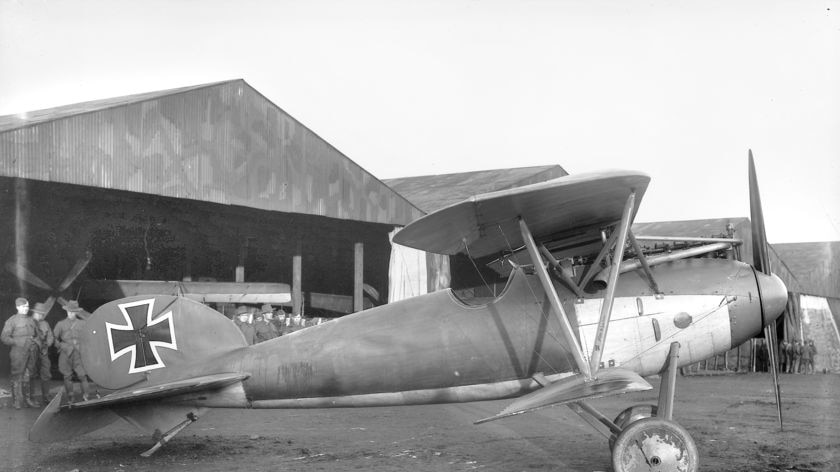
(40, 308)
(72, 305)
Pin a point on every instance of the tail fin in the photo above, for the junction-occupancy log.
(153, 340)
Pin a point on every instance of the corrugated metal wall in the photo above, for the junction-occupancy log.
(224, 144)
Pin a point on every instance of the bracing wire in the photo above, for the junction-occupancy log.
(483, 280)
(537, 302)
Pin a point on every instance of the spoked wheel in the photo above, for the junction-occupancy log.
(654, 444)
(631, 415)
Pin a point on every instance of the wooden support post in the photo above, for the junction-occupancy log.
(297, 293)
(240, 267)
(187, 275)
(358, 276)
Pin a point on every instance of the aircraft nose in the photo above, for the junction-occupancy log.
(774, 296)
(745, 315)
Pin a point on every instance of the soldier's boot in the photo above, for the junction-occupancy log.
(45, 392)
(68, 388)
(17, 394)
(85, 389)
(27, 396)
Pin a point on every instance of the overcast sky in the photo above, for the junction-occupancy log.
(678, 89)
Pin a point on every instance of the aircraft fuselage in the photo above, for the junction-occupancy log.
(437, 349)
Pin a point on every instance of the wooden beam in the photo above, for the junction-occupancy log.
(240, 267)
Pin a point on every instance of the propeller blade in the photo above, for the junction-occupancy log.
(761, 263)
(49, 303)
(75, 271)
(20, 272)
(773, 350)
(761, 260)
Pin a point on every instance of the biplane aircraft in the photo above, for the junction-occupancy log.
(549, 339)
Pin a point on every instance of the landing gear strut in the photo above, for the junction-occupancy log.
(645, 437)
(655, 443)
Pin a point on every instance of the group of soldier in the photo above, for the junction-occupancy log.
(796, 357)
(261, 325)
(29, 337)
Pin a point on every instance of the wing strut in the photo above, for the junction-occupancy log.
(592, 270)
(643, 260)
(554, 299)
(609, 297)
(560, 273)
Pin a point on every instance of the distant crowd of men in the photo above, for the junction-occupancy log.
(797, 357)
(794, 357)
(30, 337)
(261, 325)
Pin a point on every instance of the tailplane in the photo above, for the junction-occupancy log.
(161, 356)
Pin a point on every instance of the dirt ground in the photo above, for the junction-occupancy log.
(732, 418)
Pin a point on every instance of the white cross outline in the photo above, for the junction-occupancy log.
(152, 344)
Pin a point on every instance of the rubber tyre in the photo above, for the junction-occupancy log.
(655, 444)
(631, 415)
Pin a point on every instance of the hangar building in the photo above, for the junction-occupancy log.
(211, 183)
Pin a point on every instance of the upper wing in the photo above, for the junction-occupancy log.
(562, 208)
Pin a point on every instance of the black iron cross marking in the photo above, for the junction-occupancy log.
(141, 336)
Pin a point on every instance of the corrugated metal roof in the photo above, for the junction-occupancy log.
(10, 122)
(814, 267)
(433, 192)
(222, 143)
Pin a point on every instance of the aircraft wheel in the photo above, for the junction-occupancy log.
(655, 444)
(631, 415)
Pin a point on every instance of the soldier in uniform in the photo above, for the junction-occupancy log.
(44, 339)
(241, 322)
(19, 333)
(263, 326)
(809, 351)
(789, 356)
(68, 334)
(783, 356)
(797, 355)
